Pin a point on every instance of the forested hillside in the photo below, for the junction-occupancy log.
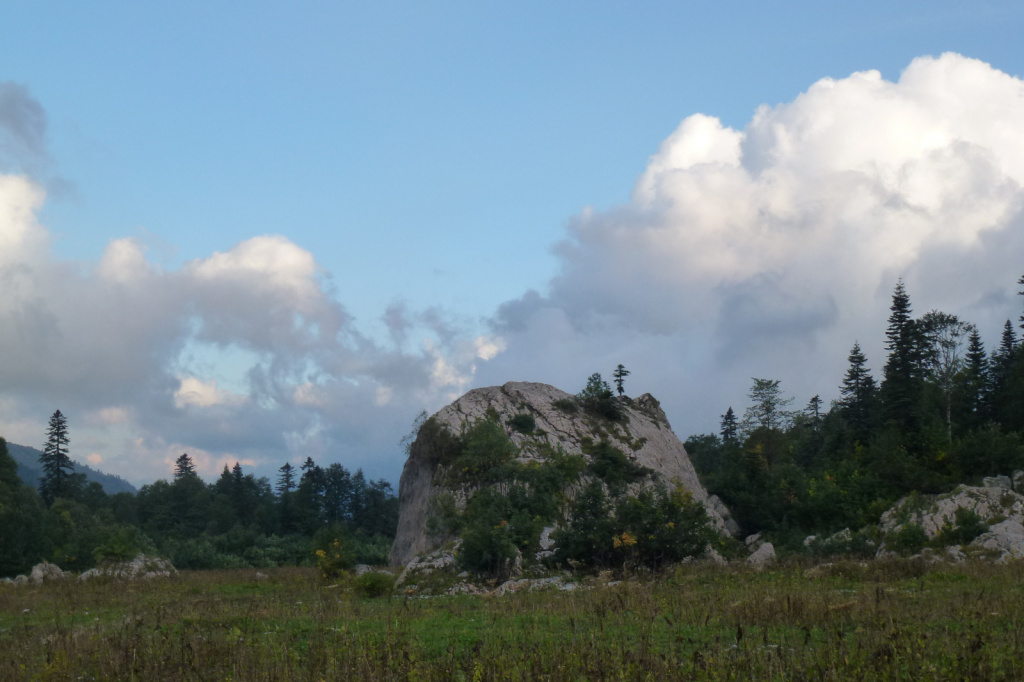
(27, 460)
(942, 411)
(237, 521)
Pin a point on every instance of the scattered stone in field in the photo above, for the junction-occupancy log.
(46, 571)
(753, 542)
(439, 561)
(843, 536)
(531, 584)
(360, 569)
(932, 512)
(139, 568)
(713, 557)
(955, 554)
(466, 588)
(260, 577)
(996, 482)
(809, 540)
(21, 580)
(764, 555)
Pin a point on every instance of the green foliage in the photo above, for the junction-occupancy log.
(567, 405)
(612, 466)
(484, 456)
(489, 538)
(648, 530)
(374, 584)
(597, 399)
(333, 557)
(966, 526)
(909, 539)
(523, 423)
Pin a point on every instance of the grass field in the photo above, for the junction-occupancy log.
(881, 620)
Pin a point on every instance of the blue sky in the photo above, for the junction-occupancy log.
(430, 158)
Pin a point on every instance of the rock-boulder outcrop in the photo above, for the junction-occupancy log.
(540, 419)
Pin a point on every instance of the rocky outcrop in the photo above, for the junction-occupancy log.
(644, 435)
(998, 508)
(139, 568)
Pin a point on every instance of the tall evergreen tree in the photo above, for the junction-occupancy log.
(184, 466)
(56, 463)
(858, 391)
(1021, 292)
(286, 479)
(976, 381)
(903, 384)
(730, 427)
(620, 375)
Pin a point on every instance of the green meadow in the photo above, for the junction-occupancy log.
(901, 619)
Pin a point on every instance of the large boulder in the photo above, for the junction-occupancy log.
(997, 506)
(644, 435)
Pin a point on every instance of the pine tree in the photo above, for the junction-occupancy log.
(56, 463)
(184, 466)
(729, 426)
(620, 375)
(858, 391)
(1021, 292)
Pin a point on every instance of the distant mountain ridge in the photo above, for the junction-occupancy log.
(30, 471)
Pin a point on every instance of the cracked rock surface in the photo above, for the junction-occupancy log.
(644, 435)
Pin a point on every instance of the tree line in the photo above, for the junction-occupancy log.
(239, 520)
(946, 411)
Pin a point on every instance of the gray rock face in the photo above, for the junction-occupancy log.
(139, 568)
(645, 436)
(997, 505)
(764, 555)
(44, 572)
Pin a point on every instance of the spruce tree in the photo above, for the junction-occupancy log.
(184, 466)
(769, 407)
(858, 391)
(56, 463)
(903, 384)
(977, 380)
(286, 481)
(729, 426)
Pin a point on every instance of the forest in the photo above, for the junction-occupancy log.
(238, 521)
(944, 412)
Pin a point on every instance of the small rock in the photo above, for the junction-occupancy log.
(809, 540)
(753, 542)
(360, 569)
(261, 576)
(712, 556)
(764, 555)
(1018, 480)
(996, 482)
(546, 542)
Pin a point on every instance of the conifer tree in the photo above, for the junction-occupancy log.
(184, 466)
(620, 375)
(56, 463)
(977, 380)
(769, 407)
(729, 426)
(903, 382)
(858, 391)
(286, 481)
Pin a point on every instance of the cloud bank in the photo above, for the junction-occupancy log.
(244, 355)
(761, 252)
(768, 251)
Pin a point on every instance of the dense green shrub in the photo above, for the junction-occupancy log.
(650, 529)
(597, 399)
(612, 466)
(374, 584)
(967, 525)
(910, 539)
(523, 423)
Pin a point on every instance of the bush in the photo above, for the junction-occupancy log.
(332, 556)
(597, 399)
(523, 423)
(567, 405)
(374, 584)
(611, 465)
(910, 539)
(968, 525)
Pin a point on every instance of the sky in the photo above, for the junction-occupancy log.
(260, 232)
